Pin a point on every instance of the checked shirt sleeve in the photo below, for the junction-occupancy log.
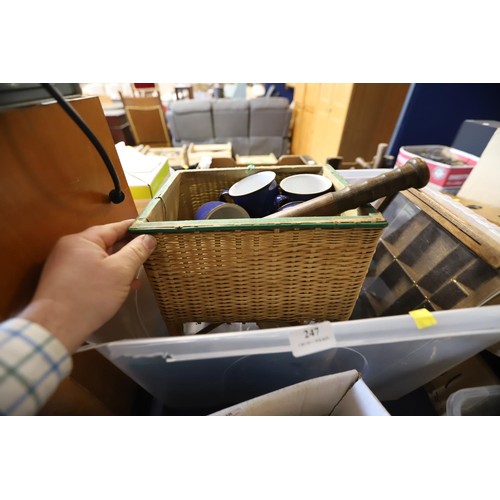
(32, 364)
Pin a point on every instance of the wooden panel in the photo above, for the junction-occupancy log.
(299, 93)
(325, 94)
(317, 137)
(373, 113)
(346, 119)
(53, 182)
(312, 96)
(298, 130)
(341, 97)
(479, 240)
(487, 211)
(320, 131)
(308, 130)
(331, 126)
(332, 122)
(92, 370)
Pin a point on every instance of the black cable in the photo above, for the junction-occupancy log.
(115, 195)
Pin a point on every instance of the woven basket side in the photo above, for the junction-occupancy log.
(243, 276)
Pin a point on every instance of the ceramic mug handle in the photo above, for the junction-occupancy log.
(280, 200)
(224, 196)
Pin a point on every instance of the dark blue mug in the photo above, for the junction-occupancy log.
(290, 204)
(256, 193)
(220, 210)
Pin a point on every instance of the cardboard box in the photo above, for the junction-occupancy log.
(177, 156)
(269, 159)
(210, 148)
(144, 174)
(340, 394)
(196, 152)
(445, 177)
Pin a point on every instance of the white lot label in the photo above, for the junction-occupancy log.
(312, 338)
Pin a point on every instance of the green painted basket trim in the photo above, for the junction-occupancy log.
(141, 225)
(243, 225)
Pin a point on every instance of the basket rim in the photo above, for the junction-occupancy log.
(185, 226)
(373, 219)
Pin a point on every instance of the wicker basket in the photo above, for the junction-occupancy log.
(243, 270)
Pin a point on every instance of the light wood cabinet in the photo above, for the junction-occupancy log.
(344, 119)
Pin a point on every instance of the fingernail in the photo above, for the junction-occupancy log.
(149, 242)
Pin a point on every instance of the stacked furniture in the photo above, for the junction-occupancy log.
(252, 126)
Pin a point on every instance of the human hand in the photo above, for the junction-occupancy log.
(86, 279)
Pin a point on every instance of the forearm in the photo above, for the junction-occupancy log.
(56, 317)
(32, 364)
(83, 284)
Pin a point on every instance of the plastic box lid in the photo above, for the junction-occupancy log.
(393, 355)
(475, 401)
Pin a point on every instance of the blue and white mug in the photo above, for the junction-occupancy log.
(304, 187)
(220, 210)
(290, 204)
(256, 193)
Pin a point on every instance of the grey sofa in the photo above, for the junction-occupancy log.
(253, 126)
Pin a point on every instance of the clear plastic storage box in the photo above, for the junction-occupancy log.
(216, 370)
(475, 401)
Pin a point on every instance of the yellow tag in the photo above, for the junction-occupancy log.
(423, 318)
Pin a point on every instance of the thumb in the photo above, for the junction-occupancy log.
(135, 253)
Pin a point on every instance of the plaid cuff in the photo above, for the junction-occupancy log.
(32, 364)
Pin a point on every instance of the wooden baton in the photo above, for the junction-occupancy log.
(413, 174)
